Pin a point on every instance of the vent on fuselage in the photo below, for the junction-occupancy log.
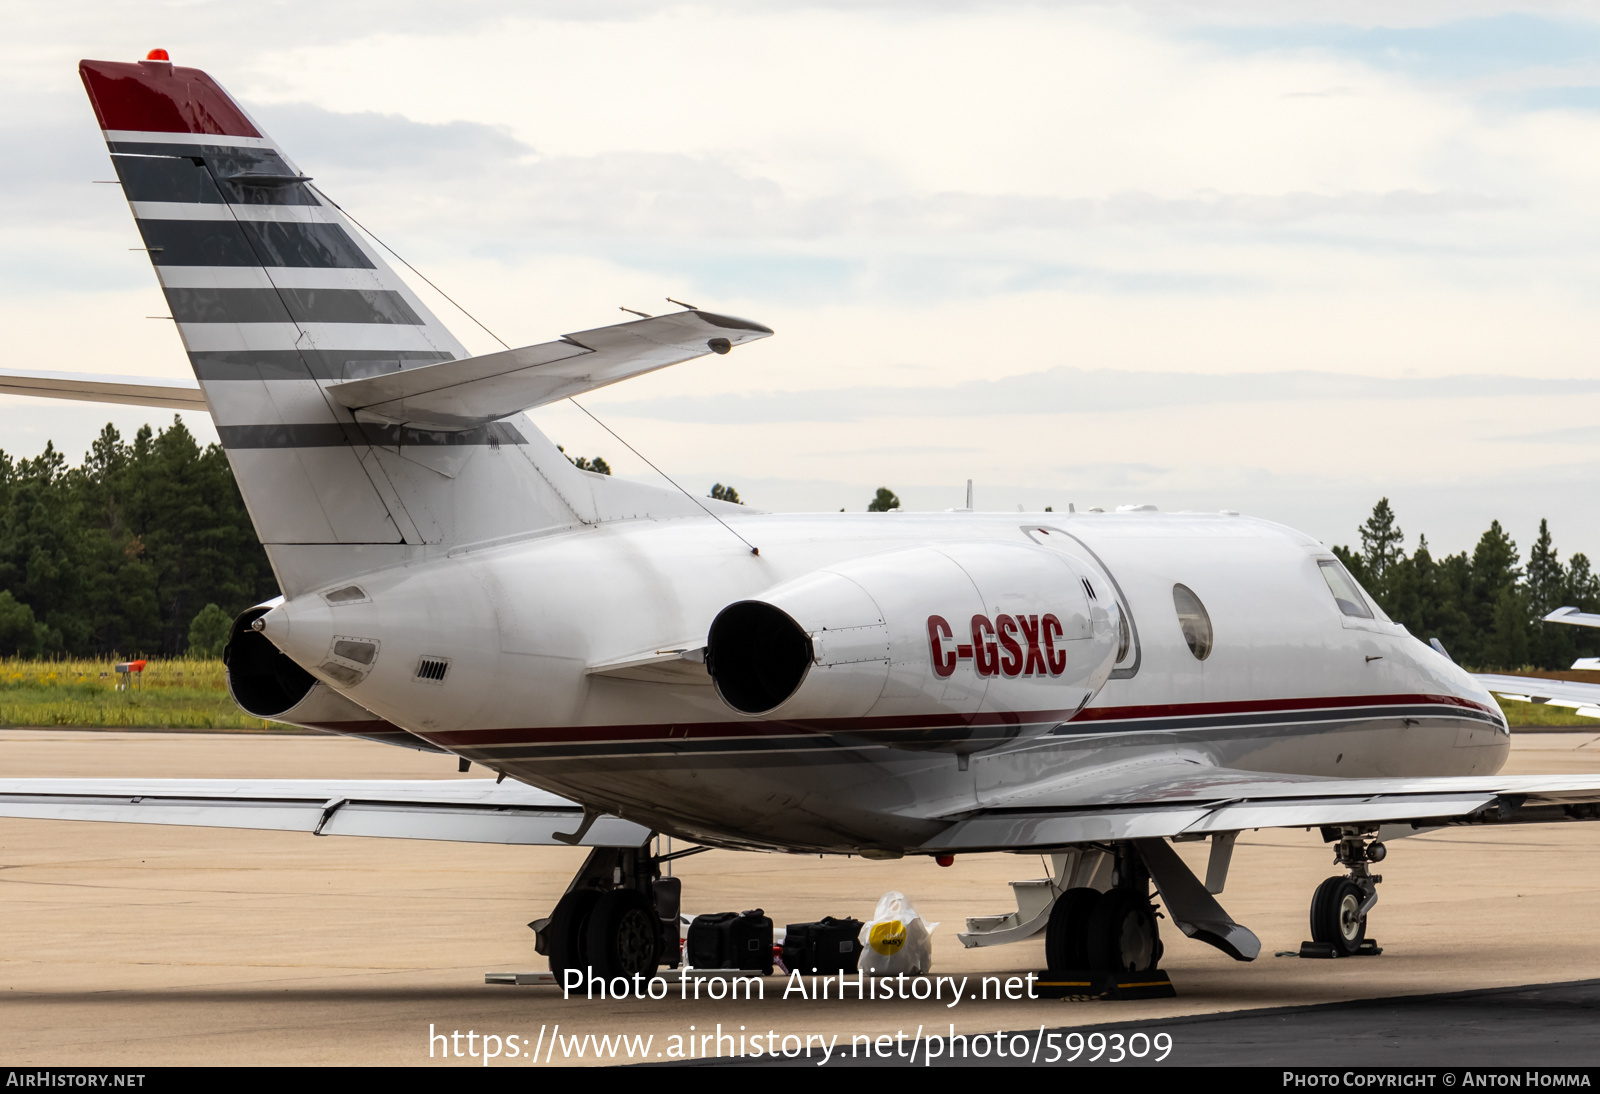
(354, 649)
(433, 669)
(350, 594)
(1088, 588)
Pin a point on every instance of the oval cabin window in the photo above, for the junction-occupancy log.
(1194, 621)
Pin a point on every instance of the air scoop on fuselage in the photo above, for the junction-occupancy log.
(340, 651)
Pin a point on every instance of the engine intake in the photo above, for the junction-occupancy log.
(261, 679)
(757, 655)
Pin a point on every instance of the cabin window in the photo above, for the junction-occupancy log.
(1346, 593)
(1193, 620)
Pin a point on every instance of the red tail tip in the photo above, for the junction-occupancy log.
(157, 55)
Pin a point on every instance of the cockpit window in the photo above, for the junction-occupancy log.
(1344, 588)
(1194, 621)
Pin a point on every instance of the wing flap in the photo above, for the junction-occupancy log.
(1335, 811)
(1191, 800)
(456, 395)
(465, 810)
(1003, 830)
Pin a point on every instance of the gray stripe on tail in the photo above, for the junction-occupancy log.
(287, 304)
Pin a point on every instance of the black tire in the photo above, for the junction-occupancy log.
(1122, 933)
(1066, 937)
(624, 935)
(568, 931)
(1334, 919)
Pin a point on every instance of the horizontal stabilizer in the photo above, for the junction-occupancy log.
(461, 810)
(456, 395)
(94, 388)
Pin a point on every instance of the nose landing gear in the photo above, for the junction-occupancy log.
(1340, 905)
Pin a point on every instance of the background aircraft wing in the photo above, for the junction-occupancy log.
(460, 810)
(1573, 616)
(456, 395)
(1190, 800)
(1584, 698)
(96, 388)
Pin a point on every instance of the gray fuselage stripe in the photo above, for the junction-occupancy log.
(1093, 726)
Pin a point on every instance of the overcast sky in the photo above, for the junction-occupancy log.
(1190, 255)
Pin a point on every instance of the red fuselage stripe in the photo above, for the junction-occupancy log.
(786, 728)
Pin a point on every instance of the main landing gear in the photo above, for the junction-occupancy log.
(1114, 931)
(619, 917)
(1340, 905)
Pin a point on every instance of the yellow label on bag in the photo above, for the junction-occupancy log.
(887, 937)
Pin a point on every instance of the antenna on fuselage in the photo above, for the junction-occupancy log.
(969, 495)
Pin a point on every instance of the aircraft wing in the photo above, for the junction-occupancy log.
(1574, 616)
(1152, 802)
(1584, 698)
(1190, 800)
(460, 810)
(97, 388)
(456, 395)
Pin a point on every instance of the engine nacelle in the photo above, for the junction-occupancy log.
(999, 639)
(267, 684)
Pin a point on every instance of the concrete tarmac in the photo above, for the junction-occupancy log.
(1539, 1026)
(139, 945)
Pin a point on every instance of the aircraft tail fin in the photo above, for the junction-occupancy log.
(278, 297)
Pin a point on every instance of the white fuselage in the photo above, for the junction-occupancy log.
(532, 633)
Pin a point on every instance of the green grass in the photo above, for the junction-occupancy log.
(178, 694)
(1543, 714)
(193, 694)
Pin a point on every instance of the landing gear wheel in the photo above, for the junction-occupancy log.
(568, 930)
(1066, 937)
(1336, 915)
(1122, 933)
(624, 935)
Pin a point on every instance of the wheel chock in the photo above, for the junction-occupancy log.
(1368, 948)
(1100, 984)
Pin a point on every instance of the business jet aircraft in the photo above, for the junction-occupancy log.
(633, 662)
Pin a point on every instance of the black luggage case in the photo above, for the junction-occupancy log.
(731, 940)
(830, 945)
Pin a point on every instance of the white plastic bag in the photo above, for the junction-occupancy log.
(897, 940)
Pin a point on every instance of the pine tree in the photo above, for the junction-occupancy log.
(1551, 646)
(1582, 592)
(1494, 570)
(1381, 542)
